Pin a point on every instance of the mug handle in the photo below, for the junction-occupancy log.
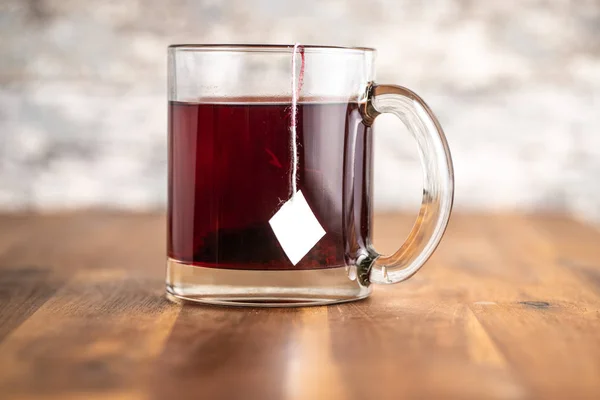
(438, 181)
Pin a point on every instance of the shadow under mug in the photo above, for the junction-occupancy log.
(257, 131)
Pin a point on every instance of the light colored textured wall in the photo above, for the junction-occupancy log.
(516, 85)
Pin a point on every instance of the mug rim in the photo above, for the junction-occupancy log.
(269, 48)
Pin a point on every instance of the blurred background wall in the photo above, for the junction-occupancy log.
(516, 85)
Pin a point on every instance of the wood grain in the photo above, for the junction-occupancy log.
(507, 308)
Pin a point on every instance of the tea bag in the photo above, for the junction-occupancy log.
(295, 225)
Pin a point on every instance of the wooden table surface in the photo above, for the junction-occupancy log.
(507, 308)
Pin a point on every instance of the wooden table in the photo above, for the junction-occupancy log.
(508, 308)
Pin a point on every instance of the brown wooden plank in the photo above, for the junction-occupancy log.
(99, 333)
(72, 242)
(507, 308)
(13, 230)
(577, 247)
(219, 353)
(22, 291)
(421, 347)
(548, 333)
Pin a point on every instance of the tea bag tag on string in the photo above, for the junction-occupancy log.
(296, 228)
(295, 225)
(296, 87)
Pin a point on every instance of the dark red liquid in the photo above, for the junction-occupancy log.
(229, 173)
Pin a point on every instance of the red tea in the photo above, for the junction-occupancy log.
(229, 173)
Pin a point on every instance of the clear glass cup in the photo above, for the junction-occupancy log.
(270, 171)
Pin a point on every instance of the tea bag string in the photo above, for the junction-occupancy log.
(296, 87)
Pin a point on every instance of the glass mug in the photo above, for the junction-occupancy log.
(270, 171)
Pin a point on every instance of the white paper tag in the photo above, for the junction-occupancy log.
(296, 228)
